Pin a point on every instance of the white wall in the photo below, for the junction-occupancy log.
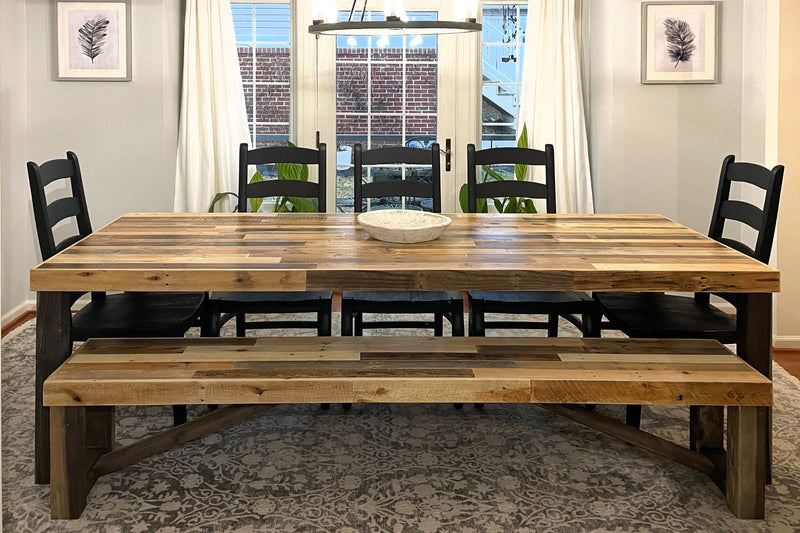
(659, 148)
(124, 133)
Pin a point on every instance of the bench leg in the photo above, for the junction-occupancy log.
(100, 432)
(69, 468)
(746, 468)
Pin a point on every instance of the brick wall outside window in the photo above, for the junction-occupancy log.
(272, 93)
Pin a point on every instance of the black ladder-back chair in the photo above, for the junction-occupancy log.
(224, 305)
(659, 315)
(553, 304)
(441, 304)
(130, 314)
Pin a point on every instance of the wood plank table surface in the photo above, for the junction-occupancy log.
(180, 252)
(296, 252)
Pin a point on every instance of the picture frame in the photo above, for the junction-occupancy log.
(680, 42)
(92, 40)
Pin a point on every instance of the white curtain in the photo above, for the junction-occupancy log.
(551, 98)
(213, 119)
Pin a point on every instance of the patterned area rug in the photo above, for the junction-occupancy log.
(404, 468)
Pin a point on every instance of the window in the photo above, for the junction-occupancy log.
(386, 95)
(502, 49)
(263, 31)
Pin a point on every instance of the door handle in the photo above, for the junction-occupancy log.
(448, 152)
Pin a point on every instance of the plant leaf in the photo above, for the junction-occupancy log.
(511, 205)
(463, 199)
(522, 142)
(255, 203)
(489, 172)
(527, 206)
(219, 197)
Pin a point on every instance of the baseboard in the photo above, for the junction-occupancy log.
(18, 312)
(786, 342)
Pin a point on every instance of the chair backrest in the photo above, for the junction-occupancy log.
(476, 159)
(47, 215)
(397, 155)
(761, 218)
(281, 187)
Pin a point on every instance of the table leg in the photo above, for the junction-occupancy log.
(754, 331)
(746, 474)
(53, 346)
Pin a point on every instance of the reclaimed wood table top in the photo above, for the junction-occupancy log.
(299, 252)
(405, 369)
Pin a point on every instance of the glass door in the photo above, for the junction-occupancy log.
(387, 91)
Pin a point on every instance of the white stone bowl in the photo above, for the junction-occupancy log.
(404, 226)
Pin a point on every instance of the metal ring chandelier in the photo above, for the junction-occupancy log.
(324, 22)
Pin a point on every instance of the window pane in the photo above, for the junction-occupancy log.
(263, 42)
(502, 47)
(386, 94)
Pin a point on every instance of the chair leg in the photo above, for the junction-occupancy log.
(633, 415)
(178, 415)
(358, 324)
(591, 324)
(477, 326)
(324, 320)
(210, 321)
(240, 325)
(457, 318)
(552, 325)
(347, 318)
(438, 324)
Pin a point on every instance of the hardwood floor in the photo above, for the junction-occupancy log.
(788, 359)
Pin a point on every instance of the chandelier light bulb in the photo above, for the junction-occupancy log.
(323, 11)
(394, 10)
(465, 10)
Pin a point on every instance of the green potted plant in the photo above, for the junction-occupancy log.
(283, 204)
(503, 205)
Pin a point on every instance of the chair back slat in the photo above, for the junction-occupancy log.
(737, 245)
(742, 212)
(282, 187)
(397, 155)
(524, 189)
(63, 208)
(751, 173)
(502, 189)
(73, 205)
(268, 188)
(510, 155)
(761, 218)
(69, 241)
(56, 169)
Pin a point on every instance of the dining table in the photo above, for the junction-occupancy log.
(332, 252)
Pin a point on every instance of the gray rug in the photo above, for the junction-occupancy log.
(404, 468)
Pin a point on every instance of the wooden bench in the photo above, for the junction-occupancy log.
(253, 374)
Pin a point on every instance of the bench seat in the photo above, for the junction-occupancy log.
(246, 371)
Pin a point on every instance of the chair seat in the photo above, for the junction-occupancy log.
(532, 298)
(258, 297)
(407, 297)
(138, 314)
(657, 315)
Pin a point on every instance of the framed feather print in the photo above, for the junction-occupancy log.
(93, 40)
(680, 42)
